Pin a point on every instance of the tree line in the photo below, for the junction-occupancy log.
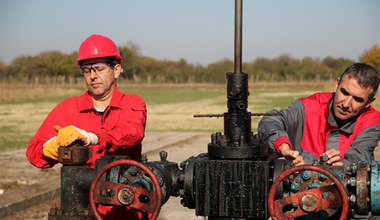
(58, 67)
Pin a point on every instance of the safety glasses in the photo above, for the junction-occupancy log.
(98, 68)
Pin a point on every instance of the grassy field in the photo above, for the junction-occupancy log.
(170, 107)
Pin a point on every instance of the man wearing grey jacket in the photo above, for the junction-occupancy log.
(341, 124)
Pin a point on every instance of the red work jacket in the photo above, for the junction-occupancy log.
(321, 130)
(120, 128)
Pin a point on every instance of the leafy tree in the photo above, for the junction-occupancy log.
(130, 53)
(147, 69)
(54, 66)
(216, 72)
(336, 66)
(2, 70)
(70, 63)
(372, 57)
(286, 67)
(22, 68)
(313, 69)
(262, 69)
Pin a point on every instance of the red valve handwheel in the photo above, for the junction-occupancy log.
(275, 207)
(132, 193)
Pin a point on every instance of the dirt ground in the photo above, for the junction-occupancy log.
(19, 180)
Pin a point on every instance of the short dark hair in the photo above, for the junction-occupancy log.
(366, 75)
(113, 61)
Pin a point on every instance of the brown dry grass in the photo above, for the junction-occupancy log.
(10, 92)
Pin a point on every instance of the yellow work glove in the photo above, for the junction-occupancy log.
(69, 134)
(50, 148)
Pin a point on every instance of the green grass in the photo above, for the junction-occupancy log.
(12, 138)
(15, 135)
(55, 99)
(151, 96)
(166, 96)
(275, 103)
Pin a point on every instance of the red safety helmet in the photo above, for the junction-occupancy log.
(98, 46)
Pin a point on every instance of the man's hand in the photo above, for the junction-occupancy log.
(64, 138)
(50, 148)
(334, 158)
(291, 155)
(69, 134)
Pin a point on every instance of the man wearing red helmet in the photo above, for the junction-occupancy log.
(103, 118)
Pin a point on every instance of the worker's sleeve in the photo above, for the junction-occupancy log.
(46, 131)
(126, 132)
(362, 149)
(283, 126)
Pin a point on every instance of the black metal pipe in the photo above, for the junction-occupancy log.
(238, 35)
(75, 182)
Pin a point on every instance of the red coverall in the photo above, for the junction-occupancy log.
(120, 129)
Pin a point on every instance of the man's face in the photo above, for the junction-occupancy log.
(350, 98)
(100, 78)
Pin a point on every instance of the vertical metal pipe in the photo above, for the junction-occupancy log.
(73, 197)
(238, 35)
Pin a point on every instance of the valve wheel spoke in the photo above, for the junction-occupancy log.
(131, 196)
(309, 201)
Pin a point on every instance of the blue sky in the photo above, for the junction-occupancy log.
(200, 31)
